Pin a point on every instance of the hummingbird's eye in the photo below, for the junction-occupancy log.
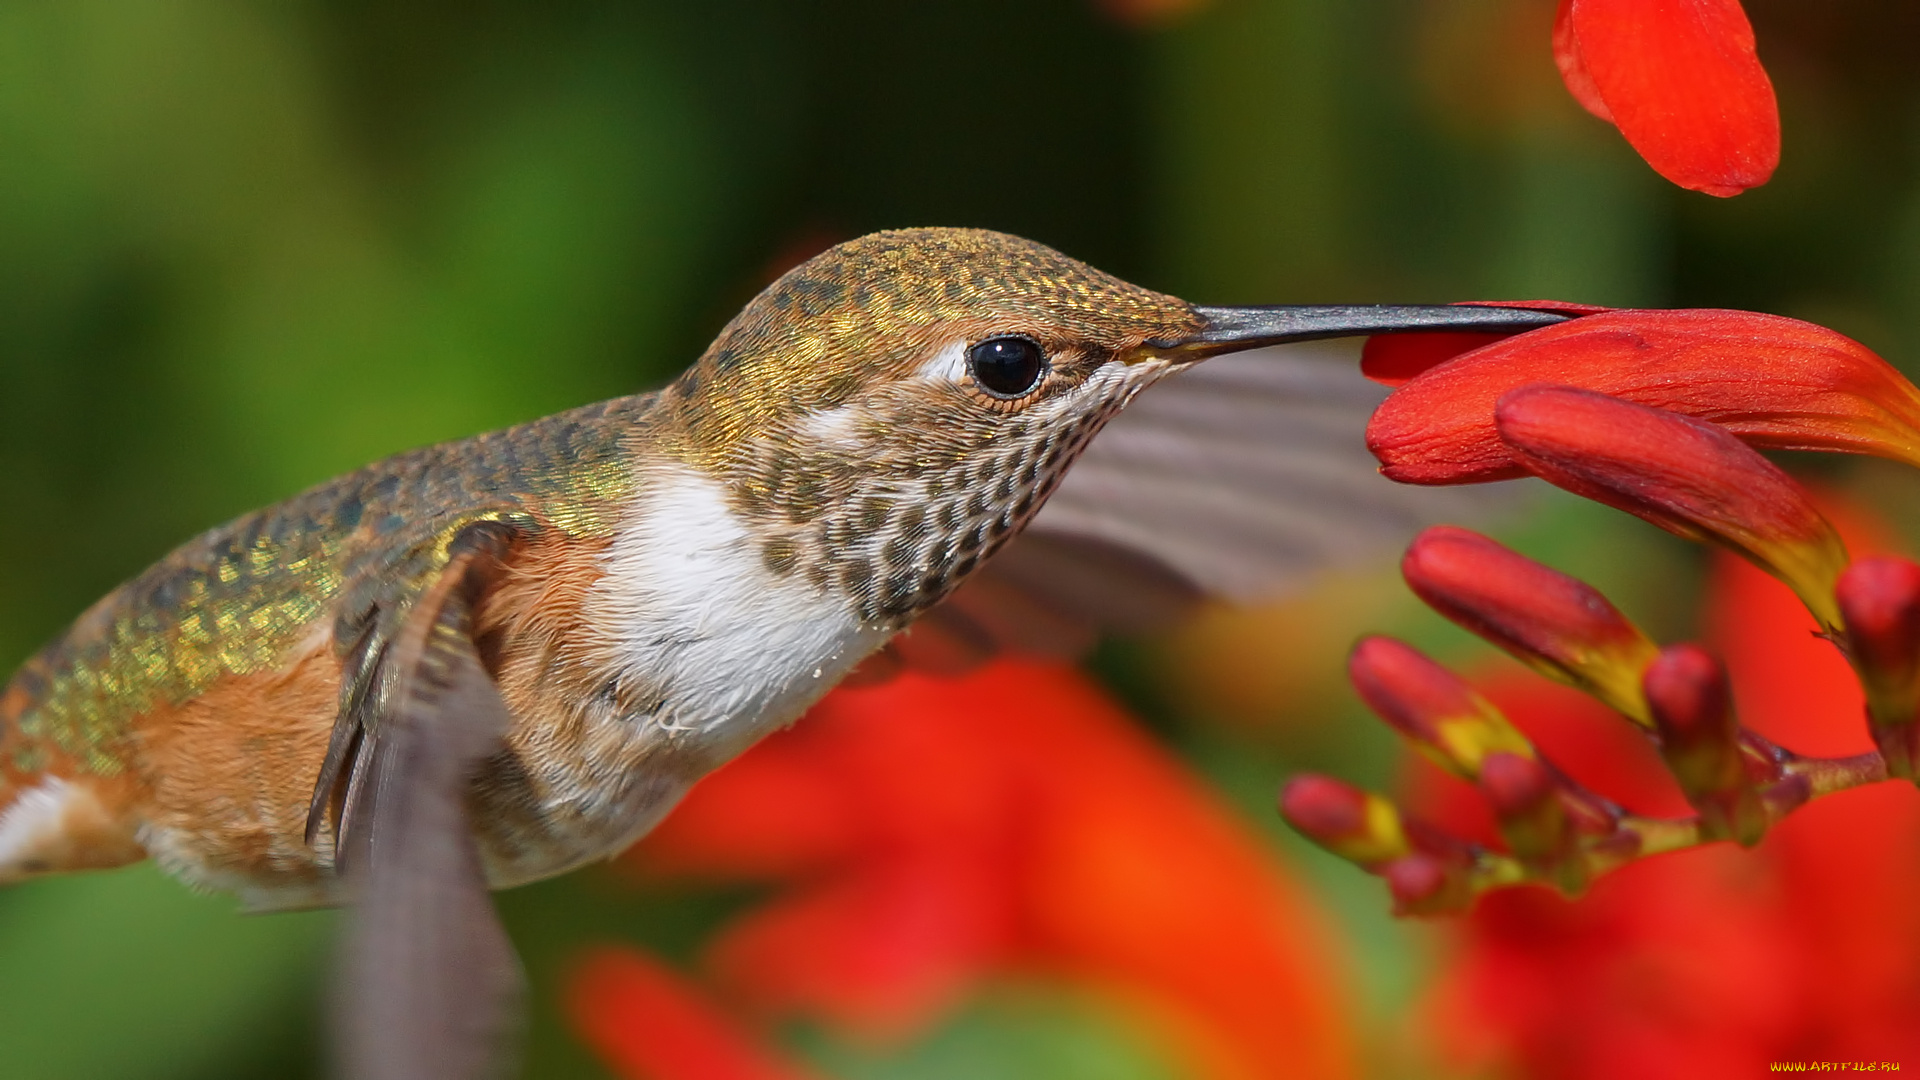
(1007, 367)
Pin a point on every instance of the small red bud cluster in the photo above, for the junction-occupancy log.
(1645, 433)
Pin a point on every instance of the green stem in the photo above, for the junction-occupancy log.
(1635, 836)
(1828, 775)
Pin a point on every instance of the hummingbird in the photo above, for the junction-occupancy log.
(491, 661)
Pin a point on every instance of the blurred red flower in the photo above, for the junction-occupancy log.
(1715, 962)
(648, 1021)
(1681, 81)
(929, 833)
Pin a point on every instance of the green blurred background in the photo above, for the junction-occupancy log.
(245, 246)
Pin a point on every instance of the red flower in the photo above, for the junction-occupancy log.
(1393, 359)
(1715, 963)
(1773, 381)
(1691, 477)
(1347, 821)
(646, 1021)
(1680, 79)
(1719, 962)
(928, 834)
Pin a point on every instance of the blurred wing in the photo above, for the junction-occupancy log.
(428, 983)
(1248, 472)
(1236, 478)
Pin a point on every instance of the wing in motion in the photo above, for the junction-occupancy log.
(428, 983)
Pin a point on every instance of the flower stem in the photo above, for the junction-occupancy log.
(1635, 836)
(1827, 775)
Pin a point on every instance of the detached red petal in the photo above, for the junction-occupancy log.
(1573, 66)
(1681, 81)
(1773, 381)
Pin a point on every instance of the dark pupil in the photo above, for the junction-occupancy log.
(1006, 366)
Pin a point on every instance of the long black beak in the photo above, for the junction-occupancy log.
(1232, 329)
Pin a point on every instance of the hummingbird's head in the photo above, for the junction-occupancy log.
(956, 333)
(889, 412)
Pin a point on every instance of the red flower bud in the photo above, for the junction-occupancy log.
(1557, 624)
(1426, 884)
(1689, 477)
(1880, 599)
(1516, 785)
(1415, 879)
(1773, 381)
(1356, 825)
(1693, 709)
(1434, 708)
(1524, 795)
(1525, 798)
(1681, 82)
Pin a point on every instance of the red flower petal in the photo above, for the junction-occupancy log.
(1681, 81)
(1392, 359)
(1773, 381)
(1687, 690)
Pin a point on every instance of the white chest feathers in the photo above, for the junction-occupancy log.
(729, 649)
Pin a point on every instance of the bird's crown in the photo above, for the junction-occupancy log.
(880, 313)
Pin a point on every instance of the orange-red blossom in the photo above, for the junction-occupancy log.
(1652, 413)
(1775, 382)
(916, 840)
